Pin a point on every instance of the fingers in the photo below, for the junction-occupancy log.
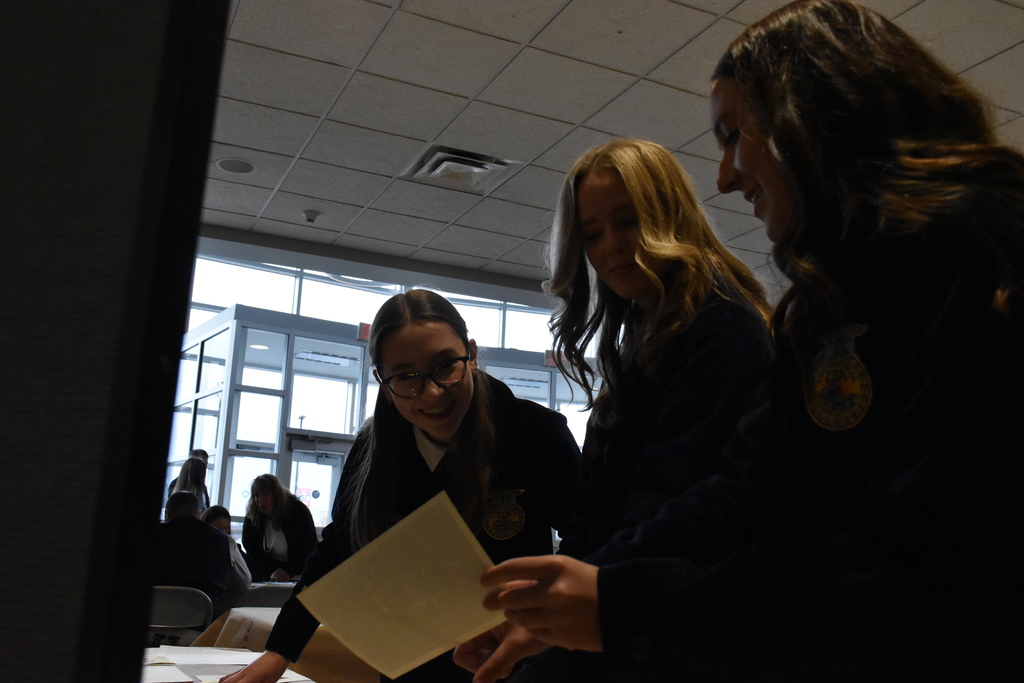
(516, 645)
(520, 569)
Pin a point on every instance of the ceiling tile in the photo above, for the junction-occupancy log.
(690, 68)
(633, 37)
(394, 227)
(729, 224)
(756, 240)
(508, 218)
(999, 79)
(362, 149)
(334, 183)
(703, 172)
(251, 125)
(732, 201)
(751, 10)
(503, 133)
(1012, 133)
(394, 107)
(517, 21)
(306, 233)
(336, 31)
(226, 219)
(425, 201)
(279, 80)
(712, 6)
(449, 258)
(242, 199)
(270, 168)
(517, 270)
(754, 260)
(564, 154)
(436, 55)
(532, 185)
(557, 87)
(374, 245)
(288, 208)
(654, 112)
(964, 34)
(459, 239)
(705, 145)
(532, 253)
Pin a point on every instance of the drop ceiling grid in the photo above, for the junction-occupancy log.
(540, 83)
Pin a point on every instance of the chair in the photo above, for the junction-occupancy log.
(177, 615)
(266, 595)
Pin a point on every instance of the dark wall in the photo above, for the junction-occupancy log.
(105, 116)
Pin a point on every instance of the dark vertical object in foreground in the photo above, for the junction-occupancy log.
(107, 109)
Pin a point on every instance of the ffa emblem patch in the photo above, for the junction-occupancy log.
(504, 518)
(841, 392)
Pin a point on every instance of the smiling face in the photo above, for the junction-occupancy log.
(421, 346)
(610, 231)
(748, 165)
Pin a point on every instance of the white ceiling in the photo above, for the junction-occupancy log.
(332, 100)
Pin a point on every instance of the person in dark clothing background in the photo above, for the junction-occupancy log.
(192, 553)
(278, 532)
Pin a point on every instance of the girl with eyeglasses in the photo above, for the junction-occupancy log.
(440, 424)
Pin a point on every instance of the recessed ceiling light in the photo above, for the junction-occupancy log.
(237, 166)
(259, 347)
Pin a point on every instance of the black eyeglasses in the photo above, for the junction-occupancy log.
(410, 384)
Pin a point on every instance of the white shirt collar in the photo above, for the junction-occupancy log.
(431, 452)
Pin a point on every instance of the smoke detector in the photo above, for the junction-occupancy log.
(457, 169)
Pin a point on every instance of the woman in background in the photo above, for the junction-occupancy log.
(278, 531)
(868, 523)
(192, 477)
(440, 424)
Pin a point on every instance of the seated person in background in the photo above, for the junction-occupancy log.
(192, 553)
(219, 517)
(205, 457)
(278, 531)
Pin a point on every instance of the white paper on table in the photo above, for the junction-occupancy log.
(411, 594)
(203, 655)
(288, 677)
(164, 673)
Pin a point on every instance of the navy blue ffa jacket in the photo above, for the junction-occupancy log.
(535, 469)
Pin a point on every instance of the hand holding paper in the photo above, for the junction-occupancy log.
(411, 594)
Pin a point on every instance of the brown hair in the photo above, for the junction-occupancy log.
(880, 139)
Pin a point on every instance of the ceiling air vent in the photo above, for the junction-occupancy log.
(460, 170)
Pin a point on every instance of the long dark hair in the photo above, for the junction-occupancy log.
(371, 487)
(880, 140)
(283, 500)
(192, 477)
(674, 228)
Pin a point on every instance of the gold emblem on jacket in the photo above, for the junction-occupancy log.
(841, 392)
(504, 517)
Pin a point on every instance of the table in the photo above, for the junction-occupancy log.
(325, 660)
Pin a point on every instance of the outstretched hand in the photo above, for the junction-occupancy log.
(551, 597)
(268, 668)
(492, 655)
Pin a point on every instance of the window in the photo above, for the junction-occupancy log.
(226, 284)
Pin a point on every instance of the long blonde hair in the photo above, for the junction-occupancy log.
(673, 228)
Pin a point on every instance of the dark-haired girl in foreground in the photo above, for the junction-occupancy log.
(440, 424)
(867, 524)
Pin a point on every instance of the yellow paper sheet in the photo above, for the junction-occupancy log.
(410, 595)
